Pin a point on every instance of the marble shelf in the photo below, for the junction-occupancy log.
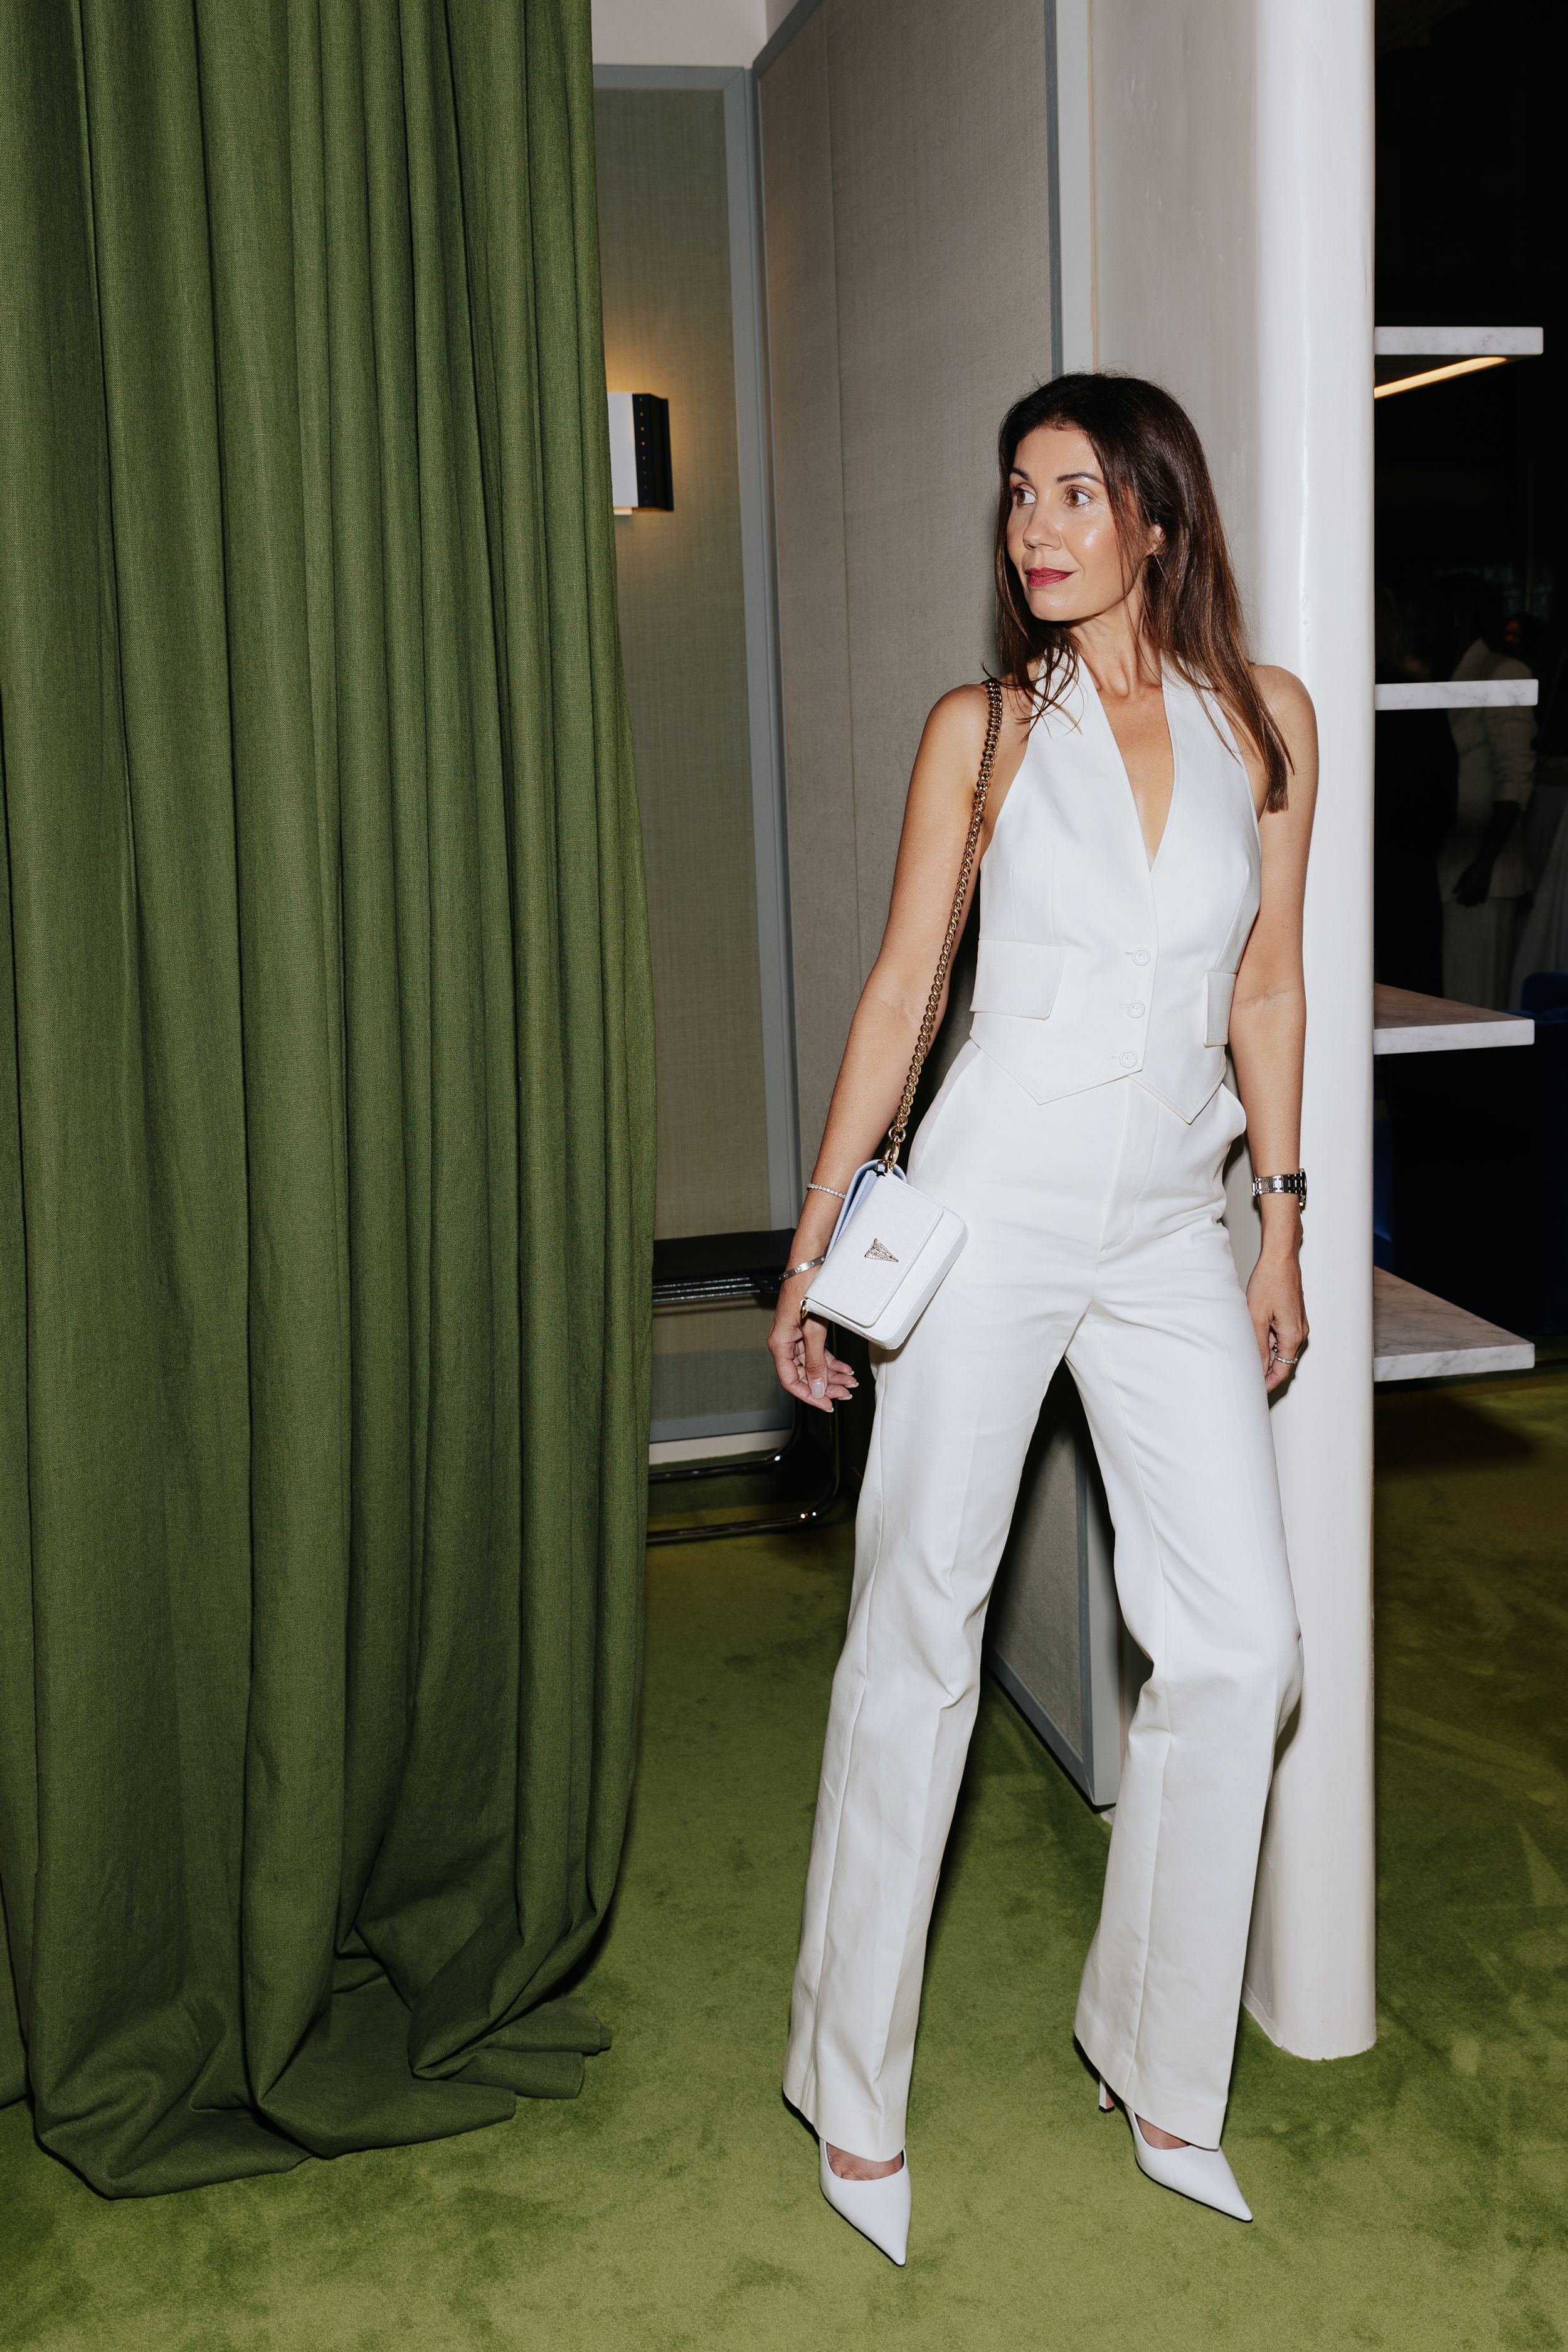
(1460, 694)
(740, 1443)
(1458, 342)
(1403, 1023)
(1416, 1336)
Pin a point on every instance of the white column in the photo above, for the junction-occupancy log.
(1232, 234)
(1309, 1974)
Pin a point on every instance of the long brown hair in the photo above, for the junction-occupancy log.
(1155, 473)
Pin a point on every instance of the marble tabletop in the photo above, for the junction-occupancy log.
(1416, 1336)
(1403, 1023)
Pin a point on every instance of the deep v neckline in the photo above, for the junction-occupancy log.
(1132, 798)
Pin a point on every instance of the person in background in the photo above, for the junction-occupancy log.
(1417, 795)
(1543, 934)
(1527, 639)
(1482, 870)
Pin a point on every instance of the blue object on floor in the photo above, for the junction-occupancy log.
(1383, 1191)
(1544, 991)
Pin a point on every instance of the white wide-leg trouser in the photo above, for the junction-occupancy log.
(1094, 1234)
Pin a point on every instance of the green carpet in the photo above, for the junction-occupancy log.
(1416, 2197)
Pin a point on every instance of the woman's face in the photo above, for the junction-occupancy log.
(1061, 534)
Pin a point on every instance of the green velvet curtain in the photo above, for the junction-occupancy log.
(325, 1079)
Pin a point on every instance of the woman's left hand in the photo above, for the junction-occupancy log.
(1279, 1313)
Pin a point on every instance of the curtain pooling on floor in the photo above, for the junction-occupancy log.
(325, 1079)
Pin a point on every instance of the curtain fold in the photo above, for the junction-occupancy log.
(326, 1119)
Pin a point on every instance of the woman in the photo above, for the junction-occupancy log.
(1144, 852)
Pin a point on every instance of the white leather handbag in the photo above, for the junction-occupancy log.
(892, 1247)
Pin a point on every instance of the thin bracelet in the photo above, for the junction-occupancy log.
(829, 1188)
(805, 1266)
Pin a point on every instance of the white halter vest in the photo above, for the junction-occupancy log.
(1093, 965)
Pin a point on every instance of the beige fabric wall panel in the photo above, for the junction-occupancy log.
(813, 610)
(665, 234)
(1175, 107)
(923, 267)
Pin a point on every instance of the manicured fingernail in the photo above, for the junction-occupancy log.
(817, 1387)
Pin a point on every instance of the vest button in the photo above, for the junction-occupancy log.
(1140, 955)
(1136, 1011)
(1129, 1061)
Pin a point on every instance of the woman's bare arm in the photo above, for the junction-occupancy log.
(893, 1002)
(1268, 1028)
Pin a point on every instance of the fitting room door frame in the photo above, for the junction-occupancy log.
(775, 960)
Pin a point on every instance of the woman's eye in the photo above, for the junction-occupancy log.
(1023, 497)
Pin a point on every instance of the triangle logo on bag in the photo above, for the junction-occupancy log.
(877, 1250)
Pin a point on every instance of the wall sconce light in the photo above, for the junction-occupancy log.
(639, 452)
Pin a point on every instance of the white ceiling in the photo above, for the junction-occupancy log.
(684, 32)
(731, 32)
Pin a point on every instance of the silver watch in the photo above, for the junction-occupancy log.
(1295, 1183)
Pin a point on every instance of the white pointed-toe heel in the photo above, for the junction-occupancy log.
(879, 2209)
(1200, 2173)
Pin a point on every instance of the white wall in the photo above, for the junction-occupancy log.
(684, 32)
(1231, 229)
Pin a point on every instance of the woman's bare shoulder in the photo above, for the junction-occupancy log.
(958, 719)
(1285, 698)
(956, 726)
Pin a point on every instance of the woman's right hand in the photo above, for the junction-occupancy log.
(799, 1351)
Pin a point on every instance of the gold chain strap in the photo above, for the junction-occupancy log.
(896, 1133)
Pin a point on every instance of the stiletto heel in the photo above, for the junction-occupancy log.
(1200, 2173)
(879, 2209)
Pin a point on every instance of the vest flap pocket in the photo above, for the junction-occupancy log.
(1221, 989)
(1019, 976)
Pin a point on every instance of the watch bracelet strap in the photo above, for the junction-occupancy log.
(1296, 1182)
